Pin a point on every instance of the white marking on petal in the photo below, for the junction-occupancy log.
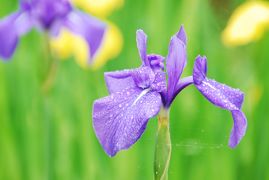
(206, 83)
(141, 95)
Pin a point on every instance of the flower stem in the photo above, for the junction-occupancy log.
(51, 66)
(163, 146)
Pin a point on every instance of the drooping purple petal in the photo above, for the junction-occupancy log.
(24, 23)
(141, 41)
(119, 80)
(239, 128)
(176, 61)
(182, 35)
(90, 28)
(222, 96)
(219, 94)
(11, 28)
(121, 118)
(8, 36)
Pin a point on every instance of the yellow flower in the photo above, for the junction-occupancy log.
(247, 23)
(69, 44)
(100, 8)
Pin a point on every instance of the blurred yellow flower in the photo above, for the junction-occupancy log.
(69, 44)
(247, 23)
(100, 8)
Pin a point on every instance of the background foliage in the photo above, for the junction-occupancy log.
(51, 137)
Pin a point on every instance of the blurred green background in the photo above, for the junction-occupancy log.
(51, 136)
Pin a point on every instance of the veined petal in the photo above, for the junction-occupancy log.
(247, 23)
(117, 81)
(141, 41)
(222, 96)
(219, 94)
(176, 60)
(100, 8)
(142, 77)
(120, 119)
(90, 28)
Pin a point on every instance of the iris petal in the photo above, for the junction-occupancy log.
(222, 96)
(11, 28)
(110, 48)
(176, 61)
(119, 80)
(141, 41)
(90, 28)
(120, 119)
(8, 36)
(239, 128)
(182, 35)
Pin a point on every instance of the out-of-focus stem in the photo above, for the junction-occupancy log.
(163, 146)
(51, 67)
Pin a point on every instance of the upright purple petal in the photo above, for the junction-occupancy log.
(117, 81)
(182, 35)
(176, 60)
(200, 70)
(90, 28)
(121, 118)
(222, 96)
(141, 41)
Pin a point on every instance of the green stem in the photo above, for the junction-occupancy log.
(51, 66)
(49, 69)
(163, 146)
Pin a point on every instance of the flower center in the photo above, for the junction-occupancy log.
(156, 61)
(47, 12)
(144, 77)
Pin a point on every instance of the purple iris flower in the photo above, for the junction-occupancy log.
(136, 95)
(51, 16)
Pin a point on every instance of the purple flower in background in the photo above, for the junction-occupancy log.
(51, 16)
(136, 95)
